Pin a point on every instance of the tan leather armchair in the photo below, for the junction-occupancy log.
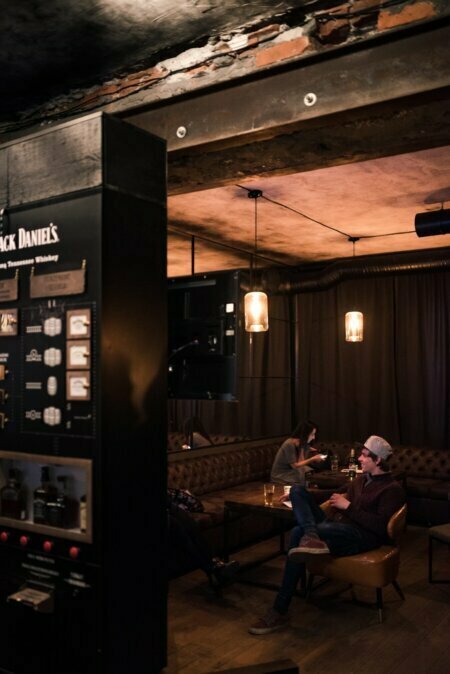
(376, 568)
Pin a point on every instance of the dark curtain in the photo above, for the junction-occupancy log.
(396, 382)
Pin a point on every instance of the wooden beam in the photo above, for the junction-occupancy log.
(399, 126)
(358, 75)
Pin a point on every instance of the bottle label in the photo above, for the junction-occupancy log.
(39, 510)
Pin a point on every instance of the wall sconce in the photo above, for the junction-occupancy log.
(256, 305)
(354, 326)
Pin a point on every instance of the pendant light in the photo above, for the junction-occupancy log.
(354, 325)
(354, 320)
(255, 302)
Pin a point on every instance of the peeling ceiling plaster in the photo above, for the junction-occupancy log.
(52, 46)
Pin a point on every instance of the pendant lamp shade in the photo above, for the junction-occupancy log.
(256, 312)
(354, 325)
(256, 304)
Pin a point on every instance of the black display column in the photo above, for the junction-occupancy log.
(83, 395)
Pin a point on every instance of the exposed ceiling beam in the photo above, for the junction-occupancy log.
(403, 125)
(377, 71)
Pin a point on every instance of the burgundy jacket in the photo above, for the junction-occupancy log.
(373, 501)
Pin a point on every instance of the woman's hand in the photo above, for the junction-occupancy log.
(317, 458)
(283, 498)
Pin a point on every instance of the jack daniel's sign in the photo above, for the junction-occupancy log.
(29, 238)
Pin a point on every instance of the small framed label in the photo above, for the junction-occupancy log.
(58, 284)
(9, 289)
(8, 322)
(78, 355)
(78, 386)
(78, 323)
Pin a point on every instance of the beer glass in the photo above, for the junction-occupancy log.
(269, 491)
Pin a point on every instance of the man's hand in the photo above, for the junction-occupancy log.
(339, 501)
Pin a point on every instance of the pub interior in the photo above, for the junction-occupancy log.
(308, 150)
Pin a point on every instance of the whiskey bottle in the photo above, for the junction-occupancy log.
(55, 507)
(62, 510)
(12, 498)
(41, 496)
(352, 465)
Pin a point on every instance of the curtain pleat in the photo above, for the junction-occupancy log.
(396, 382)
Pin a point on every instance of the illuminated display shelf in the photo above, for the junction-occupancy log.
(29, 465)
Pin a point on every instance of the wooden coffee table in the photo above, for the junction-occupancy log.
(254, 503)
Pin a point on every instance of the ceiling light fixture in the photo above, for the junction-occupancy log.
(255, 302)
(354, 320)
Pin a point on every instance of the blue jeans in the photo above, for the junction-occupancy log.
(306, 511)
(342, 539)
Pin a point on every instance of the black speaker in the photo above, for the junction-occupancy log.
(203, 329)
(433, 223)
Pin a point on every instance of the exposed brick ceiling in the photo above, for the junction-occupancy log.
(47, 44)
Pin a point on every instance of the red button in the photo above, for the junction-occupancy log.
(24, 540)
(4, 536)
(48, 546)
(74, 552)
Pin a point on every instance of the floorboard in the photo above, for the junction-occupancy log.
(328, 634)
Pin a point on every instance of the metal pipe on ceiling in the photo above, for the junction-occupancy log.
(360, 267)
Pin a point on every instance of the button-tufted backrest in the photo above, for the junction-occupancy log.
(341, 449)
(422, 462)
(414, 461)
(175, 440)
(217, 471)
(204, 472)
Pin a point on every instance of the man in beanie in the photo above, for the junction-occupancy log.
(357, 523)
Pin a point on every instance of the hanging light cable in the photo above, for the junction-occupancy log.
(255, 302)
(354, 320)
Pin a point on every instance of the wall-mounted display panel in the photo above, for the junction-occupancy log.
(48, 336)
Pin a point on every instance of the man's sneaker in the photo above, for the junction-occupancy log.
(271, 622)
(310, 544)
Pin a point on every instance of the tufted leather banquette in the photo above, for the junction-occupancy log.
(220, 473)
(177, 440)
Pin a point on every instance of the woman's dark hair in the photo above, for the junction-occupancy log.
(303, 430)
(194, 425)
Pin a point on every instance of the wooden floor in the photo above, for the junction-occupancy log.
(328, 634)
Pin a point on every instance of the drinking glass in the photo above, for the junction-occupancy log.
(269, 491)
(334, 463)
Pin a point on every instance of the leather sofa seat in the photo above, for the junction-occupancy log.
(375, 568)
